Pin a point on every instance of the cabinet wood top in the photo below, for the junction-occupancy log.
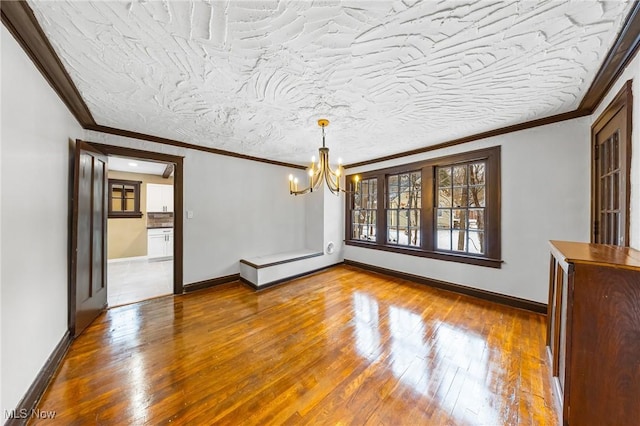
(596, 254)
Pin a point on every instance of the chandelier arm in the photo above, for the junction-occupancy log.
(336, 181)
(333, 178)
(300, 192)
(335, 191)
(334, 185)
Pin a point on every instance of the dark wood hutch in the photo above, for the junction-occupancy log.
(593, 332)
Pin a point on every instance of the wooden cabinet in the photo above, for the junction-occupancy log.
(593, 332)
(160, 243)
(159, 198)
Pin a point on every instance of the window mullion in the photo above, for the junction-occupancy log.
(349, 209)
(381, 225)
(123, 199)
(428, 211)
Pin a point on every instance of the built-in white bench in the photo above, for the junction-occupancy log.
(265, 271)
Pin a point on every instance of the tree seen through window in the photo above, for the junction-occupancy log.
(461, 208)
(404, 200)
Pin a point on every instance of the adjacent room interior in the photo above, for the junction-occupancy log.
(139, 230)
(388, 212)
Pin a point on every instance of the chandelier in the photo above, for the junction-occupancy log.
(320, 171)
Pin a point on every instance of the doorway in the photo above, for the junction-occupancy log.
(88, 284)
(610, 171)
(139, 230)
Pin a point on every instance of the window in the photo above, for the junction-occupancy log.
(444, 208)
(403, 208)
(461, 207)
(363, 214)
(124, 199)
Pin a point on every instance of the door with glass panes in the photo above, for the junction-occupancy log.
(610, 164)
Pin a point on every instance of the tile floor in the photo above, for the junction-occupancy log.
(138, 279)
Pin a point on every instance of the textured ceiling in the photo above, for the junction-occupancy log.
(253, 77)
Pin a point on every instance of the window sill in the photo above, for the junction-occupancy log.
(451, 257)
(132, 215)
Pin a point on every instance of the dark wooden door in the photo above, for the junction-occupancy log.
(611, 163)
(88, 293)
(610, 214)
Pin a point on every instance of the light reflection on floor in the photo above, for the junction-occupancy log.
(415, 348)
(367, 326)
(408, 350)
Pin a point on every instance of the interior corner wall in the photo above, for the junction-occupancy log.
(334, 225)
(37, 133)
(631, 72)
(325, 224)
(545, 184)
(241, 208)
(314, 219)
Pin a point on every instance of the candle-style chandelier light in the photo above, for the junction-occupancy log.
(320, 171)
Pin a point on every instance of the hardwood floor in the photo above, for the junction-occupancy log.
(342, 346)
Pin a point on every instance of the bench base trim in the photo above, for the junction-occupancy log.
(284, 280)
(280, 262)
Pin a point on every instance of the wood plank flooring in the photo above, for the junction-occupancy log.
(343, 346)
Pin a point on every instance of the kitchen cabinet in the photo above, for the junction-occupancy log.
(159, 198)
(160, 243)
(593, 332)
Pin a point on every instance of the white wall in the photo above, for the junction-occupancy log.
(241, 208)
(2, 35)
(545, 196)
(632, 72)
(324, 223)
(314, 219)
(334, 225)
(327, 212)
(36, 129)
